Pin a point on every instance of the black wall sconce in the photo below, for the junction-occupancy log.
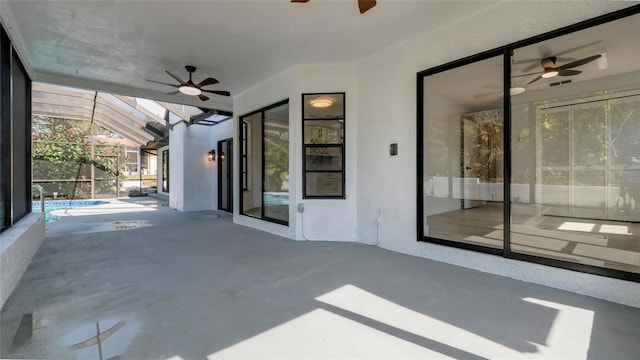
(211, 155)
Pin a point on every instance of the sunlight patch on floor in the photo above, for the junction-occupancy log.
(323, 334)
(353, 323)
(576, 226)
(570, 334)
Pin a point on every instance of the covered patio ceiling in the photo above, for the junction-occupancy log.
(114, 46)
(140, 122)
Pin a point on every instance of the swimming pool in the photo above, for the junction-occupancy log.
(52, 205)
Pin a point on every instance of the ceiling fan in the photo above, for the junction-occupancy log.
(550, 69)
(363, 5)
(191, 88)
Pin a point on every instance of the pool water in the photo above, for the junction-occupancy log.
(271, 198)
(52, 205)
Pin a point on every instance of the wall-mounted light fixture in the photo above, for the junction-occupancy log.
(211, 155)
(222, 156)
(321, 102)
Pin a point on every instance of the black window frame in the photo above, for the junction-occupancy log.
(506, 52)
(244, 158)
(15, 135)
(341, 145)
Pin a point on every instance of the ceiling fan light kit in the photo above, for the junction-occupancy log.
(189, 87)
(551, 70)
(189, 90)
(517, 90)
(549, 73)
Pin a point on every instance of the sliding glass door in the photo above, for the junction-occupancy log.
(264, 164)
(463, 162)
(569, 165)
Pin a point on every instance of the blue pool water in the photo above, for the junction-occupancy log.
(51, 205)
(271, 198)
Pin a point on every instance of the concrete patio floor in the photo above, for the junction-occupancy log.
(160, 284)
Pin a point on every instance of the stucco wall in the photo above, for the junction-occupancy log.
(278, 88)
(381, 109)
(18, 245)
(387, 89)
(193, 179)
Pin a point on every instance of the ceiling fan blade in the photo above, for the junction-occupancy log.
(300, 1)
(567, 72)
(580, 47)
(534, 80)
(203, 98)
(219, 92)
(366, 5)
(521, 75)
(175, 76)
(174, 93)
(208, 81)
(579, 62)
(163, 83)
(483, 95)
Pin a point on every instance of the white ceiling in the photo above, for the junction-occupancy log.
(113, 46)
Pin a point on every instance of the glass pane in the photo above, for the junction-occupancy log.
(323, 106)
(276, 163)
(323, 132)
(251, 204)
(324, 184)
(224, 175)
(323, 158)
(575, 138)
(463, 165)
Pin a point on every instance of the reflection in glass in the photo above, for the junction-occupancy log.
(324, 184)
(251, 197)
(320, 158)
(576, 151)
(276, 163)
(463, 166)
(323, 148)
(323, 132)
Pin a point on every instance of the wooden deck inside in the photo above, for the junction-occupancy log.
(603, 243)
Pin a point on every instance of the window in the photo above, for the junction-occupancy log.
(323, 145)
(245, 156)
(15, 136)
(543, 167)
(165, 170)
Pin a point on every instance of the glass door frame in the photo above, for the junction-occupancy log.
(506, 52)
(262, 160)
(228, 163)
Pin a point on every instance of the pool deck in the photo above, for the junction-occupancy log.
(160, 284)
